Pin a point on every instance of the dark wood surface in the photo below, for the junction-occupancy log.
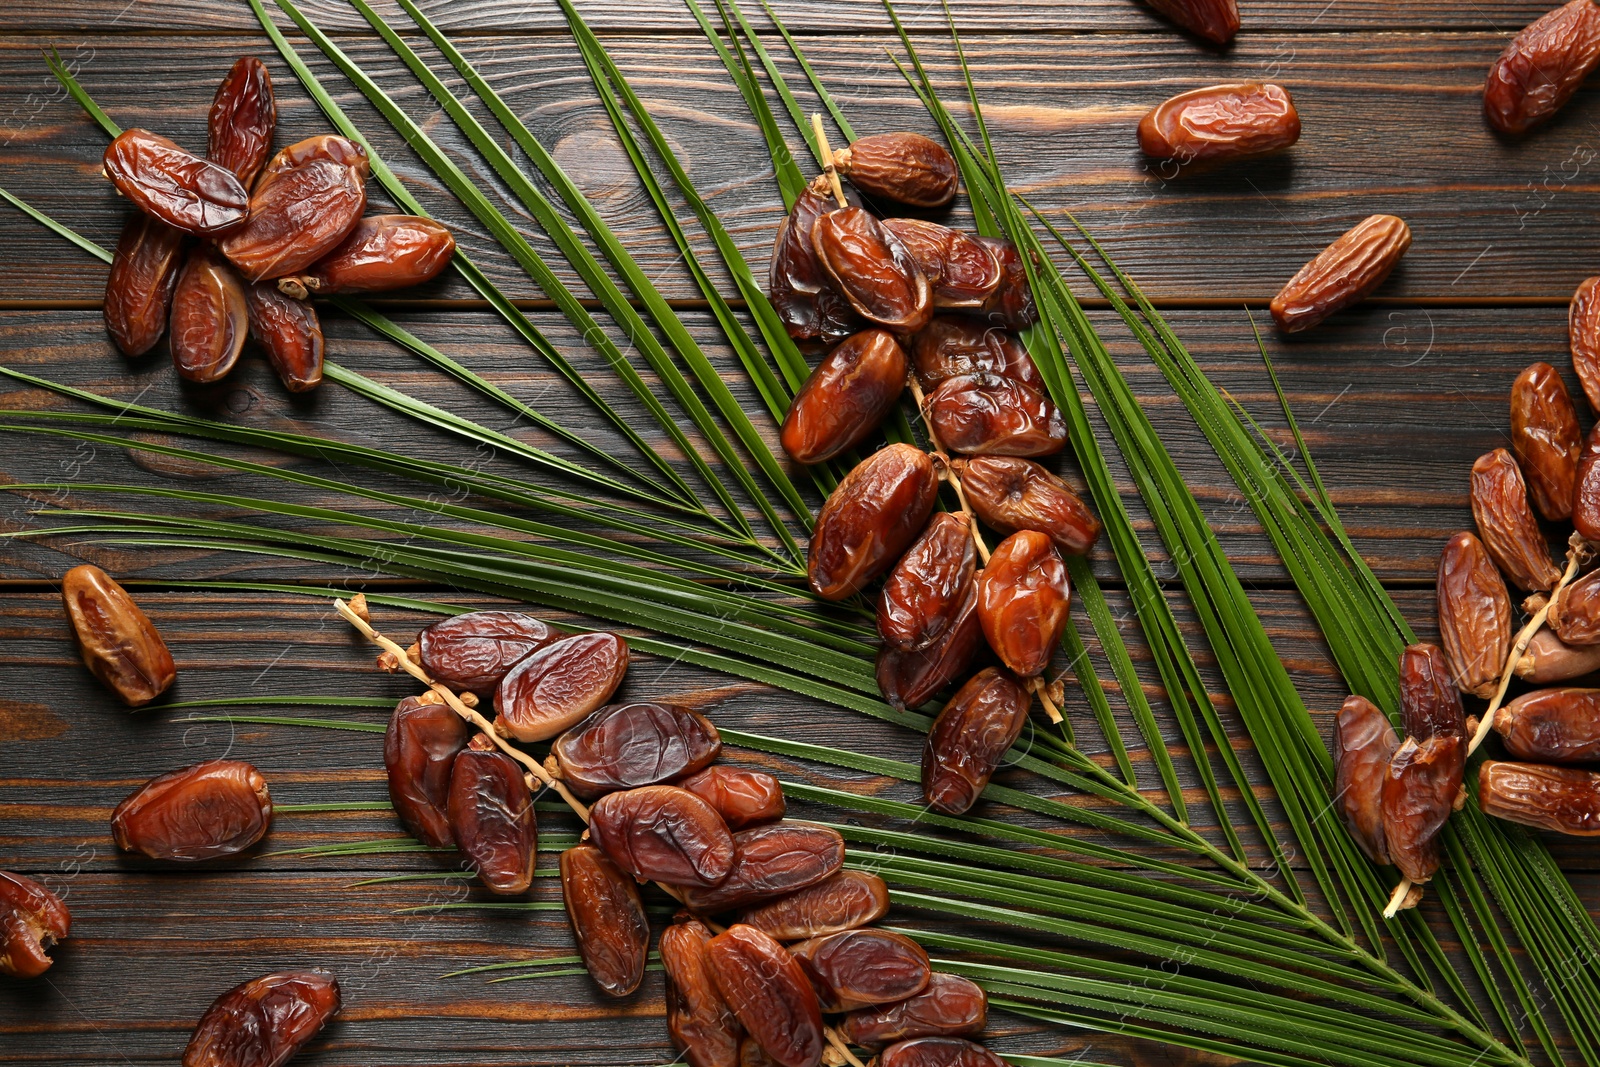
(1396, 400)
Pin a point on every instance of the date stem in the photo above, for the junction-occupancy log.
(826, 151)
(941, 459)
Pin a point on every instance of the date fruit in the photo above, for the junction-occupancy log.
(1343, 274)
(703, 1027)
(845, 398)
(771, 861)
(1507, 525)
(1583, 339)
(492, 818)
(32, 919)
(1586, 490)
(969, 739)
(1474, 615)
(1430, 704)
(178, 188)
(1575, 612)
(1215, 20)
(1023, 600)
(1547, 440)
(1220, 123)
(1012, 305)
(986, 414)
(1012, 494)
(769, 994)
(607, 919)
(1363, 745)
(473, 652)
(559, 685)
(660, 833)
(264, 1022)
(624, 746)
(907, 168)
(927, 588)
(951, 1006)
(938, 1052)
(217, 808)
(118, 642)
(308, 198)
(910, 679)
(963, 272)
(953, 345)
(873, 269)
(144, 273)
(243, 116)
(1420, 791)
(1548, 659)
(870, 519)
(741, 796)
(1565, 800)
(381, 252)
(863, 968)
(210, 318)
(419, 751)
(1542, 67)
(1552, 725)
(802, 293)
(290, 332)
(843, 901)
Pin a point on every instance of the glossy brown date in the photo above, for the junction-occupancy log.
(1363, 744)
(660, 833)
(217, 808)
(938, 1052)
(559, 685)
(624, 746)
(1583, 338)
(741, 796)
(801, 291)
(963, 272)
(1220, 123)
(118, 642)
(1546, 439)
(1507, 525)
(144, 273)
(32, 919)
(291, 333)
(1542, 67)
(910, 679)
(969, 739)
(873, 270)
(1343, 274)
(751, 1054)
(308, 198)
(907, 168)
(769, 994)
(607, 918)
(845, 398)
(1215, 20)
(1548, 659)
(870, 518)
(845, 900)
(927, 588)
(1586, 489)
(1575, 612)
(1012, 305)
(492, 818)
(953, 345)
(863, 968)
(473, 652)
(243, 116)
(1474, 615)
(987, 414)
(180, 189)
(1420, 791)
(1430, 703)
(1011, 493)
(264, 1022)
(1565, 800)
(702, 1026)
(419, 750)
(1552, 725)
(951, 1006)
(210, 318)
(381, 252)
(770, 861)
(1023, 601)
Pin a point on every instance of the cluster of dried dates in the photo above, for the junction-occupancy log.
(232, 245)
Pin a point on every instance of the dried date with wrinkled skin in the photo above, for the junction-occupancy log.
(1583, 339)
(1552, 725)
(742, 797)
(1220, 123)
(1542, 67)
(845, 900)
(1023, 600)
(144, 273)
(702, 1026)
(769, 994)
(969, 739)
(242, 118)
(1474, 615)
(1507, 525)
(217, 808)
(963, 271)
(1586, 489)
(419, 750)
(492, 817)
(660, 833)
(751, 1054)
(801, 291)
(1549, 659)
(1547, 440)
(559, 685)
(873, 270)
(1012, 305)
(907, 168)
(118, 642)
(987, 414)
(910, 679)
(845, 398)
(607, 919)
(210, 318)
(953, 345)
(1575, 612)
(1430, 704)
(624, 746)
(1215, 20)
(926, 589)
(32, 919)
(264, 1022)
(1343, 274)
(869, 519)
(381, 252)
(307, 200)
(177, 187)
(1565, 800)
(1011, 493)
(863, 968)
(951, 1006)
(1363, 744)
(1420, 791)
(291, 333)
(473, 652)
(938, 1052)
(771, 861)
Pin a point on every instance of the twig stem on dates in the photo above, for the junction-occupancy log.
(826, 152)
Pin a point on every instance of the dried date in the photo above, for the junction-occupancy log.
(907, 168)
(1507, 525)
(843, 901)
(1474, 615)
(264, 1022)
(308, 198)
(210, 318)
(703, 1027)
(1565, 800)
(873, 270)
(926, 589)
(32, 920)
(1343, 274)
(953, 345)
(1363, 745)
(1430, 704)
(559, 685)
(1012, 305)
(1575, 612)
(1547, 440)
(419, 750)
(845, 398)
(660, 833)
(243, 116)
(863, 968)
(802, 293)
(1011, 493)
(910, 679)
(290, 332)
(492, 818)
(1552, 725)
(1023, 600)
(217, 808)
(607, 918)
(969, 739)
(1548, 659)
(381, 252)
(770, 861)
(951, 1006)
(1586, 490)
(987, 414)
(118, 642)
(473, 652)
(769, 994)
(962, 270)
(741, 796)
(1542, 67)
(144, 273)
(1583, 339)
(870, 519)
(180, 189)
(624, 746)
(1220, 123)
(1215, 20)
(938, 1052)
(1420, 791)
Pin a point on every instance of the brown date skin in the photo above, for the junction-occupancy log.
(144, 273)
(1474, 615)
(845, 398)
(1583, 339)
(1363, 744)
(801, 291)
(1012, 305)
(308, 198)
(32, 919)
(907, 168)
(419, 750)
(1420, 791)
(1549, 659)
(660, 833)
(1343, 274)
(1547, 440)
(1507, 525)
(291, 333)
(1565, 800)
(118, 642)
(863, 968)
(381, 252)
(243, 115)
(769, 994)
(741, 796)
(951, 1006)
(1023, 600)
(1575, 612)
(1552, 725)
(217, 808)
(953, 345)
(870, 518)
(963, 271)
(771, 861)
(492, 817)
(910, 679)
(1430, 704)
(264, 1022)
(180, 189)
(607, 919)
(1541, 68)
(1220, 123)
(843, 901)
(559, 685)
(473, 652)
(1215, 20)
(938, 1052)
(703, 1027)
(1011, 493)
(1586, 491)
(922, 595)
(751, 1054)
(873, 270)
(986, 414)
(624, 746)
(210, 318)
(969, 739)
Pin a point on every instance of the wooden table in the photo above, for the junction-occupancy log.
(1396, 400)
